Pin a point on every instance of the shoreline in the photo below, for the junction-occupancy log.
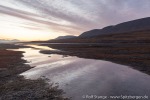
(16, 87)
(134, 56)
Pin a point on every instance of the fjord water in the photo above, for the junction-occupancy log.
(79, 77)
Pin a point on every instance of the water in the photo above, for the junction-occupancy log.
(79, 76)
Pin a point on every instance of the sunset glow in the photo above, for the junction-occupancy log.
(48, 19)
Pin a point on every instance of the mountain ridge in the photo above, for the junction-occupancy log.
(65, 37)
(129, 26)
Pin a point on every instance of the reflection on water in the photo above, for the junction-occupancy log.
(78, 76)
(41, 47)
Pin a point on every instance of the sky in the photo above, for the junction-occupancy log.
(47, 19)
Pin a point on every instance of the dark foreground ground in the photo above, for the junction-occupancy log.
(132, 49)
(15, 87)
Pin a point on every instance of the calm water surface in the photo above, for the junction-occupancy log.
(79, 76)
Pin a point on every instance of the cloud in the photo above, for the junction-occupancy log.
(35, 18)
(75, 16)
(91, 13)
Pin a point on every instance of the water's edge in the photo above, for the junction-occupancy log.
(78, 76)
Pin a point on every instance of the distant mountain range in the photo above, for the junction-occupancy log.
(136, 31)
(8, 41)
(135, 25)
(65, 37)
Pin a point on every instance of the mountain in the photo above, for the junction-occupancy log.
(135, 25)
(65, 37)
(8, 41)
